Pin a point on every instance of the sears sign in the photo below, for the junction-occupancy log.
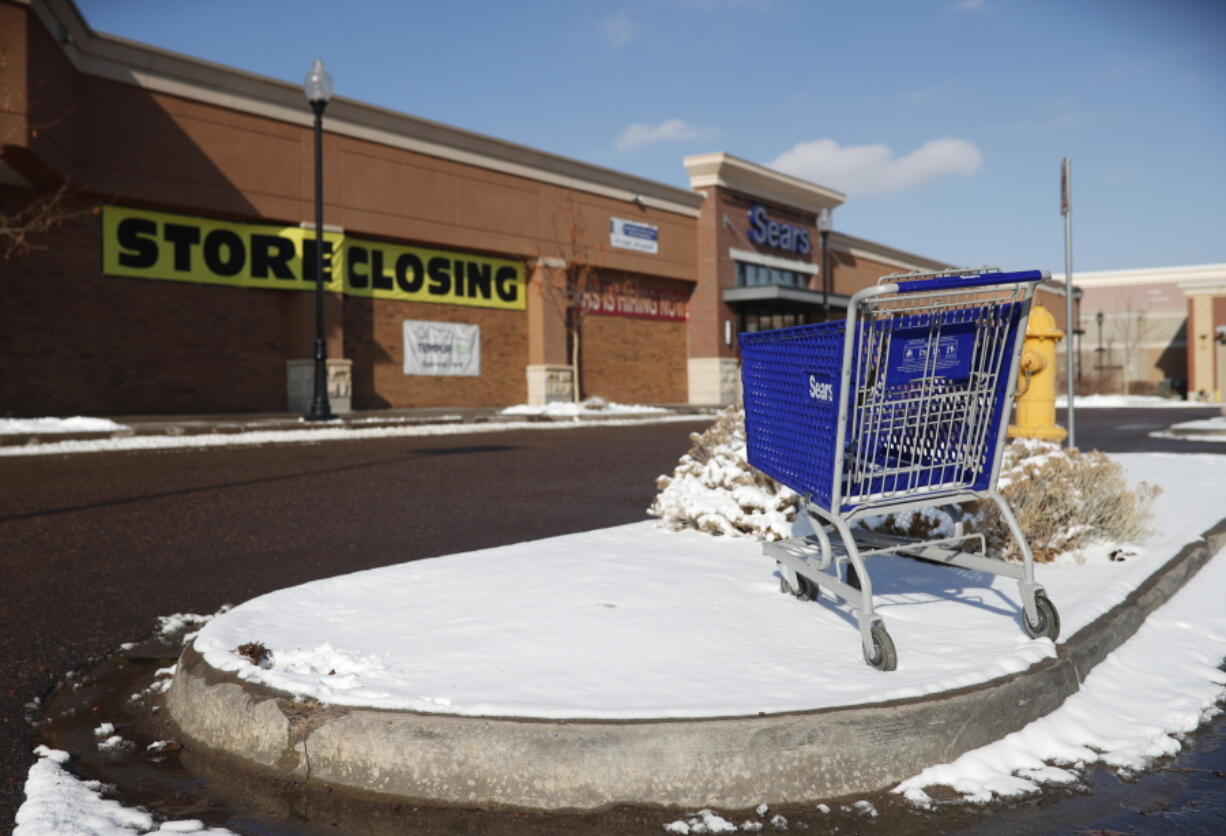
(767, 233)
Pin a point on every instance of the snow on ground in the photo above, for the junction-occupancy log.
(724, 640)
(589, 407)
(60, 804)
(1217, 424)
(555, 628)
(78, 424)
(1209, 429)
(1163, 682)
(1094, 401)
(340, 433)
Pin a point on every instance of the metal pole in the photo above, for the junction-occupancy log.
(1068, 299)
(320, 409)
(827, 286)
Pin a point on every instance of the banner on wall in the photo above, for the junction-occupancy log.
(170, 247)
(447, 349)
(630, 299)
(634, 235)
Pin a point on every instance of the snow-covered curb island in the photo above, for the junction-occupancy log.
(1162, 683)
(1208, 429)
(1118, 401)
(556, 628)
(723, 639)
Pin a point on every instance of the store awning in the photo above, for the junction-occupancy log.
(782, 293)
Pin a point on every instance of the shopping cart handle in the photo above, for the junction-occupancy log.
(973, 280)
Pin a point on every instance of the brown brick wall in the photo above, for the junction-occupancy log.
(852, 273)
(135, 146)
(374, 341)
(637, 361)
(73, 341)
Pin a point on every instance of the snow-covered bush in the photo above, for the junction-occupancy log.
(1063, 499)
(714, 489)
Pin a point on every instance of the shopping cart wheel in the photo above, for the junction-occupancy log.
(1048, 625)
(808, 589)
(883, 657)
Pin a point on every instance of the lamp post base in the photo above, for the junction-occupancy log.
(300, 386)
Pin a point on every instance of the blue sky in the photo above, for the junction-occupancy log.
(943, 121)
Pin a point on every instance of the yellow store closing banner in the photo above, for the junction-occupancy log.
(160, 245)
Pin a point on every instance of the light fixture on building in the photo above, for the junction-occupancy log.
(823, 228)
(318, 90)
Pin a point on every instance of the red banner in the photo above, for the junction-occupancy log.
(644, 303)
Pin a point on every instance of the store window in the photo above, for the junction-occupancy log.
(758, 275)
(765, 319)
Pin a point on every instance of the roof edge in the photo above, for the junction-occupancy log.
(719, 168)
(149, 67)
(887, 255)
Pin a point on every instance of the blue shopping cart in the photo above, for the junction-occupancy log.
(902, 406)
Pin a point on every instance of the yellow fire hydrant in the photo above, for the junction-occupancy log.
(1036, 384)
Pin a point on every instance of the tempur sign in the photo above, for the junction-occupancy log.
(445, 349)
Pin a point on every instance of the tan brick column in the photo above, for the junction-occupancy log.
(549, 376)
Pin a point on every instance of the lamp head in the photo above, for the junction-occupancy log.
(318, 84)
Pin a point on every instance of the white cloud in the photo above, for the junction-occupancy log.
(618, 29)
(869, 169)
(641, 134)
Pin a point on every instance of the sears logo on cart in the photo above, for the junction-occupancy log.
(821, 388)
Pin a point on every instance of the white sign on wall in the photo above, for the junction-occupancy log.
(442, 348)
(634, 235)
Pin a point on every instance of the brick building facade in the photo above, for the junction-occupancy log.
(179, 280)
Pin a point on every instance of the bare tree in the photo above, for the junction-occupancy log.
(574, 288)
(25, 229)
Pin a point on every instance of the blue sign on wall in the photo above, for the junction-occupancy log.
(634, 235)
(767, 233)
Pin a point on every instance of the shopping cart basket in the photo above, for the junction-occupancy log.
(900, 407)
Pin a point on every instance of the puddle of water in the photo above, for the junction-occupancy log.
(1184, 795)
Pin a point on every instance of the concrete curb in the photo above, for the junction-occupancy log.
(732, 762)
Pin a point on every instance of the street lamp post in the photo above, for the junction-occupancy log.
(1098, 317)
(823, 227)
(318, 89)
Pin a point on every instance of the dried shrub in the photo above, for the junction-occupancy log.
(713, 488)
(1063, 500)
(256, 653)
